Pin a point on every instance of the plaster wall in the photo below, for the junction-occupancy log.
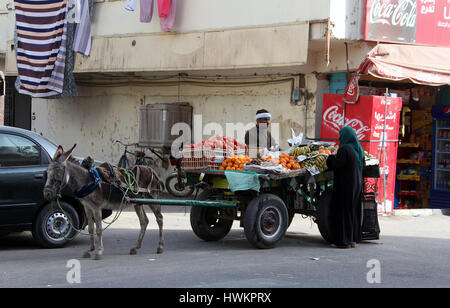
(100, 115)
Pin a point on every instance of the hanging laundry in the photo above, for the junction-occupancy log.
(131, 5)
(82, 39)
(146, 10)
(164, 8)
(168, 22)
(41, 46)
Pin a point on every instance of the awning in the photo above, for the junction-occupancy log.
(420, 64)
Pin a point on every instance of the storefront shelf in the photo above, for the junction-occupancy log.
(409, 145)
(444, 152)
(443, 169)
(403, 177)
(443, 139)
(410, 193)
(409, 161)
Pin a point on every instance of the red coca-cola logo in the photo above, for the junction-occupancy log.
(401, 13)
(447, 110)
(334, 119)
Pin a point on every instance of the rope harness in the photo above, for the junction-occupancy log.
(130, 185)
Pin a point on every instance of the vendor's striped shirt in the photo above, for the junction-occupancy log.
(41, 46)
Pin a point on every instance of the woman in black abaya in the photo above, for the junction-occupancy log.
(347, 165)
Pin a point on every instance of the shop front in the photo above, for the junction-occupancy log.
(409, 75)
(416, 76)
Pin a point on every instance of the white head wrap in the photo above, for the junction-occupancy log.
(263, 116)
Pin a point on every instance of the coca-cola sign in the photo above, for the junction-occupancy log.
(423, 22)
(335, 120)
(403, 13)
(391, 20)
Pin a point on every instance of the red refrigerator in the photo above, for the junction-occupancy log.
(367, 118)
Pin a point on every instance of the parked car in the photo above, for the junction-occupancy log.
(24, 157)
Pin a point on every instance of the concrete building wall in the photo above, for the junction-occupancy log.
(205, 15)
(100, 115)
(6, 25)
(347, 19)
(2, 97)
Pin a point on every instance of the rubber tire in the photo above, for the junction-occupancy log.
(291, 215)
(252, 230)
(39, 226)
(201, 227)
(120, 164)
(324, 216)
(187, 192)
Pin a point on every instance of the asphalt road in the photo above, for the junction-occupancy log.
(412, 252)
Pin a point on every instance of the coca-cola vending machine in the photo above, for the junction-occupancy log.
(367, 118)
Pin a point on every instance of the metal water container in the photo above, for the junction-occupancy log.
(156, 121)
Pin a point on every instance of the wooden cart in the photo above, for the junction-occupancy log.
(266, 214)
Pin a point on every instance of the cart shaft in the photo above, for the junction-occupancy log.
(184, 202)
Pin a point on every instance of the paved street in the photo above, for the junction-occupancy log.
(413, 252)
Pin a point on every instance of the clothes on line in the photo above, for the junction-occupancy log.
(41, 46)
(146, 10)
(82, 39)
(166, 11)
(164, 7)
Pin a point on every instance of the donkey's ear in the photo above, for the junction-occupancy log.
(58, 153)
(67, 154)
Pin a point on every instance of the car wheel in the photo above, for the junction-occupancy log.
(53, 227)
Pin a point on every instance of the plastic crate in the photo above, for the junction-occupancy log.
(197, 153)
(195, 163)
(228, 152)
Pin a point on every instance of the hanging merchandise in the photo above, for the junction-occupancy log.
(164, 7)
(41, 46)
(146, 10)
(82, 39)
(168, 22)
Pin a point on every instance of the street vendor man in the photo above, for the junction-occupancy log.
(259, 137)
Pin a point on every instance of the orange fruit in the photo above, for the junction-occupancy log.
(221, 168)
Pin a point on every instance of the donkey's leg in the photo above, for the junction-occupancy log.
(90, 218)
(159, 219)
(98, 224)
(140, 211)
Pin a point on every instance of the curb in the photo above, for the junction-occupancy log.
(422, 212)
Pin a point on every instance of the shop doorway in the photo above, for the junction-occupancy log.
(415, 151)
(17, 106)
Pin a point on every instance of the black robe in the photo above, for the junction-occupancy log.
(347, 196)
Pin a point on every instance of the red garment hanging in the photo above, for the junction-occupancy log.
(164, 8)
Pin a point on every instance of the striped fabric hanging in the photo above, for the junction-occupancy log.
(41, 27)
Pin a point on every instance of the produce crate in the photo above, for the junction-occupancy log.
(195, 163)
(198, 153)
(228, 152)
(201, 158)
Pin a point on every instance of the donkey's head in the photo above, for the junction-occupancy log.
(56, 175)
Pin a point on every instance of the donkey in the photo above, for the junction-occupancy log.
(64, 170)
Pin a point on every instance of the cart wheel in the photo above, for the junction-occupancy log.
(204, 221)
(324, 216)
(266, 221)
